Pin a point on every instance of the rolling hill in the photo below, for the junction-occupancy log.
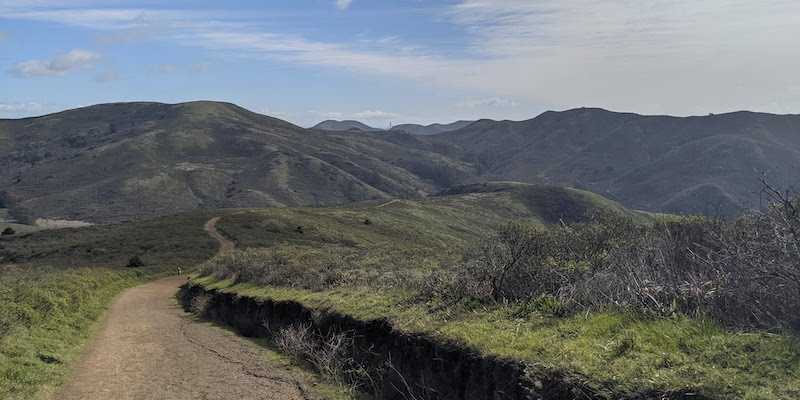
(708, 164)
(115, 162)
(347, 125)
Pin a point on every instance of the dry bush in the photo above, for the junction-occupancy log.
(744, 273)
(329, 354)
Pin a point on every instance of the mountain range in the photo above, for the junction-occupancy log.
(414, 129)
(115, 162)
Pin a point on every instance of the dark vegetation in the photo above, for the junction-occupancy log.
(172, 240)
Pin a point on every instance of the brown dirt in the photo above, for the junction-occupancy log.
(225, 245)
(148, 348)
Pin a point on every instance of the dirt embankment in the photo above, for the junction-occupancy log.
(410, 366)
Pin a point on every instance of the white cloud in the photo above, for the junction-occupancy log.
(8, 107)
(18, 109)
(61, 64)
(491, 102)
(343, 4)
(372, 115)
(661, 56)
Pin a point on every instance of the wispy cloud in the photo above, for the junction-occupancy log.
(373, 115)
(343, 4)
(108, 75)
(647, 56)
(61, 64)
(490, 102)
(15, 109)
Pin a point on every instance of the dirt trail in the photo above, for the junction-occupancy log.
(149, 348)
(225, 245)
(390, 202)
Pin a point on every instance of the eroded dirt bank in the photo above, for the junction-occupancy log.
(149, 348)
(420, 367)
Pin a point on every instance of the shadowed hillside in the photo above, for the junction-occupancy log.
(708, 164)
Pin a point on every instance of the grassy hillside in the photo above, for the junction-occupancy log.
(115, 162)
(172, 240)
(401, 236)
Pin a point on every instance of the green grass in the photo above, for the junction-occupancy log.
(406, 235)
(46, 316)
(608, 350)
(172, 240)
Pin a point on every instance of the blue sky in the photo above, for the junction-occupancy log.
(403, 60)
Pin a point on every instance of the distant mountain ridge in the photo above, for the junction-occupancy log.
(113, 162)
(432, 129)
(704, 164)
(414, 129)
(346, 125)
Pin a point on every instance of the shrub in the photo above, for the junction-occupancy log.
(329, 354)
(8, 231)
(135, 262)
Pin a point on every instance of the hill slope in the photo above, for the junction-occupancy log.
(347, 125)
(119, 161)
(708, 164)
(432, 129)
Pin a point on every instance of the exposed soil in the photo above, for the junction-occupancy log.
(149, 348)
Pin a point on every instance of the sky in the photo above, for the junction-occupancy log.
(403, 61)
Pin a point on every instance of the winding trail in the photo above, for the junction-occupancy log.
(149, 348)
(225, 245)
